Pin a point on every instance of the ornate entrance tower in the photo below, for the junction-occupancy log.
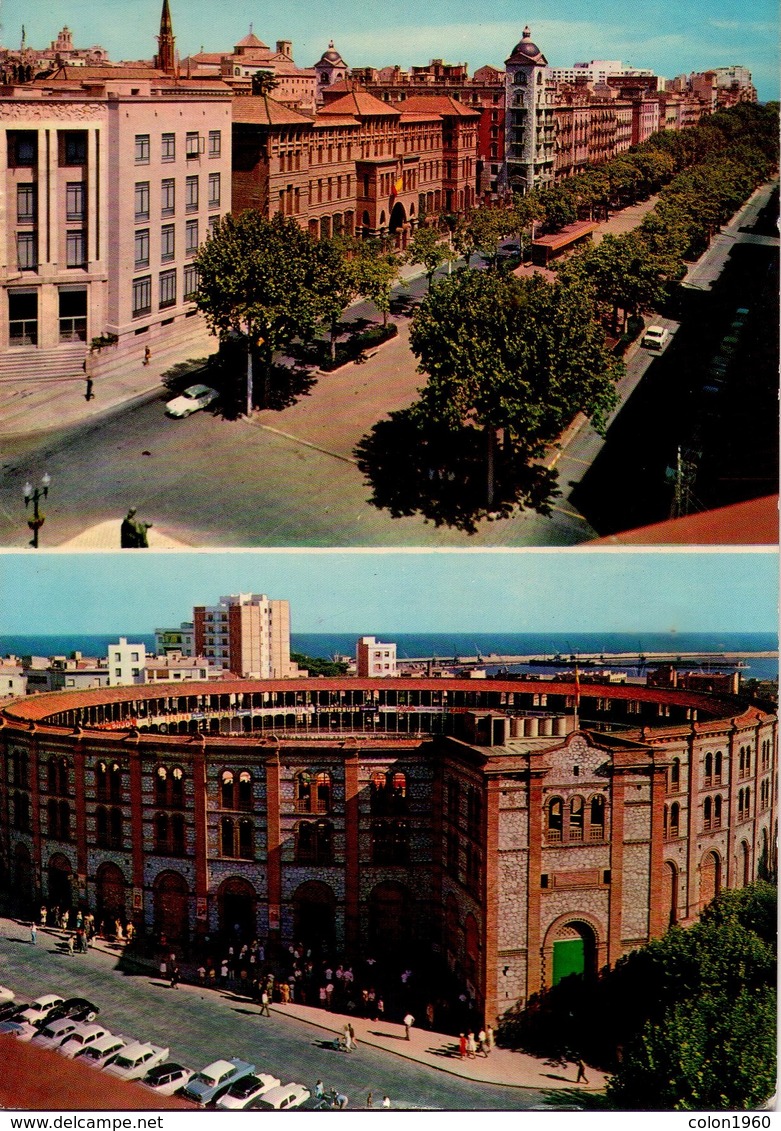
(165, 60)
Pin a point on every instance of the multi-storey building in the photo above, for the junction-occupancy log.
(126, 663)
(361, 166)
(373, 659)
(246, 634)
(112, 178)
(181, 639)
(530, 126)
(24, 64)
(522, 828)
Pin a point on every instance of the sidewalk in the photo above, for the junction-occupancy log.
(435, 1050)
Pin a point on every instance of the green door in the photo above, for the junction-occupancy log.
(568, 958)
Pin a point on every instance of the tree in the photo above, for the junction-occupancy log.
(520, 356)
(487, 227)
(335, 282)
(317, 666)
(376, 270)
(426, 249)
(256, 277)
(263, 82)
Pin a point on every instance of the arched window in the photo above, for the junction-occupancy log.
(314, 842)
(675, 775)
(666, 823)
(717, 768)
(101, 781)
(313, 792)
(177, 787)
(226, 791)
(245, 790)
(246, 839)
(161, 832)
(576, 818)
(555, 818)
(708, 768)
(115, 828)
(597, 818)
(707, 813)
(748, 760)
(161, 786)
(226, 836)
(674, 818)
(390, 842)
(717, 811)
(101, 827)
(178, 844)
(52, 775)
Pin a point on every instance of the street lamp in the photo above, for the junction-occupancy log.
(34, 494)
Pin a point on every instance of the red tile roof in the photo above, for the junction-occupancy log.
(264, 111)
(360, 102)
(752, 523)
(438, 104)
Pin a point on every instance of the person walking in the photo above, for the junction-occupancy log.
(264, 1003)
(319, 1090)
(370, 1100)
(462, 1045)
(489, 1038)
(174, 977)
(581, 1071)
(482, 1043)
(33, 934)
(386, 1101)
(471, 1046)
(408, 1022)
(70, 944)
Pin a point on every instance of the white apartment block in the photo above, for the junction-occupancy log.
(126, 663)
(373, 658)
(247, 634)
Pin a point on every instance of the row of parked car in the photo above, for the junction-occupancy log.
(68, 1026)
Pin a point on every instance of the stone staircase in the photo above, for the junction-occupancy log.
(28, 364)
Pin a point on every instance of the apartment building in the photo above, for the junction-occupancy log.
(247, 634)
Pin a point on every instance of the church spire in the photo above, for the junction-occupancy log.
(165, 59)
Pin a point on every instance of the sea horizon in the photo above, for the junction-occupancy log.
(452, 646)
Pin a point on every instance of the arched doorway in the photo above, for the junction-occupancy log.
(763, 868)
(237, 900)
(109, 893)
(574, 950)
(313, 915)
(171, 899)
(59, 877)
(670, 890)
(391, 928)
(397, 225)
(710, 878)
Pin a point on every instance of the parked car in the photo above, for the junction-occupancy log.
(22, 1030)
(656, 337)
(103, 1051)
(12, 1009)
(40, 1009)
(284, 1098)
(6, 995)
(188, 402)
(244, 1091)
(215, 1079)
(136, 1059)
(81, 1038)
(76, 1007)
(167, 1078)
(53, 1033)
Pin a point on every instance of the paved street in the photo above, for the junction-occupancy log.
(286, 478)
(201, 1025)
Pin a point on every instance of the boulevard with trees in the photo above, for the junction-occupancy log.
(686, 1023)
(507, 363)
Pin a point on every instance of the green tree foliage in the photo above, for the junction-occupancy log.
(686, 1022)
(375, 271)
(317, 666)
(427, 249)
(485, 230)
(335, 282)
(257, 277)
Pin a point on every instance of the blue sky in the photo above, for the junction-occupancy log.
(669, 36)
(535, 591)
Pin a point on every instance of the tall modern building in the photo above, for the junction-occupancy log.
(247, 634)
(373, 658)
(530, 125)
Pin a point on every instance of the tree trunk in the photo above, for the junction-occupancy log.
(249, 375)
(333, 341)
(490, 467)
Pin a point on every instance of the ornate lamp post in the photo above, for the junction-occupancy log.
(33, 495)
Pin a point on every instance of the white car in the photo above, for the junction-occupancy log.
(656, 337)
(81, 1038)
(168, 1078)
(135, 1060)
(284, 1098)
(52, 1035)
(39, 1009)
(197, 396)
(6, 995)
(103, 1051)
(244, 1091)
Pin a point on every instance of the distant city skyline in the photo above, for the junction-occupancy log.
(669, 38)
(401, 592)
